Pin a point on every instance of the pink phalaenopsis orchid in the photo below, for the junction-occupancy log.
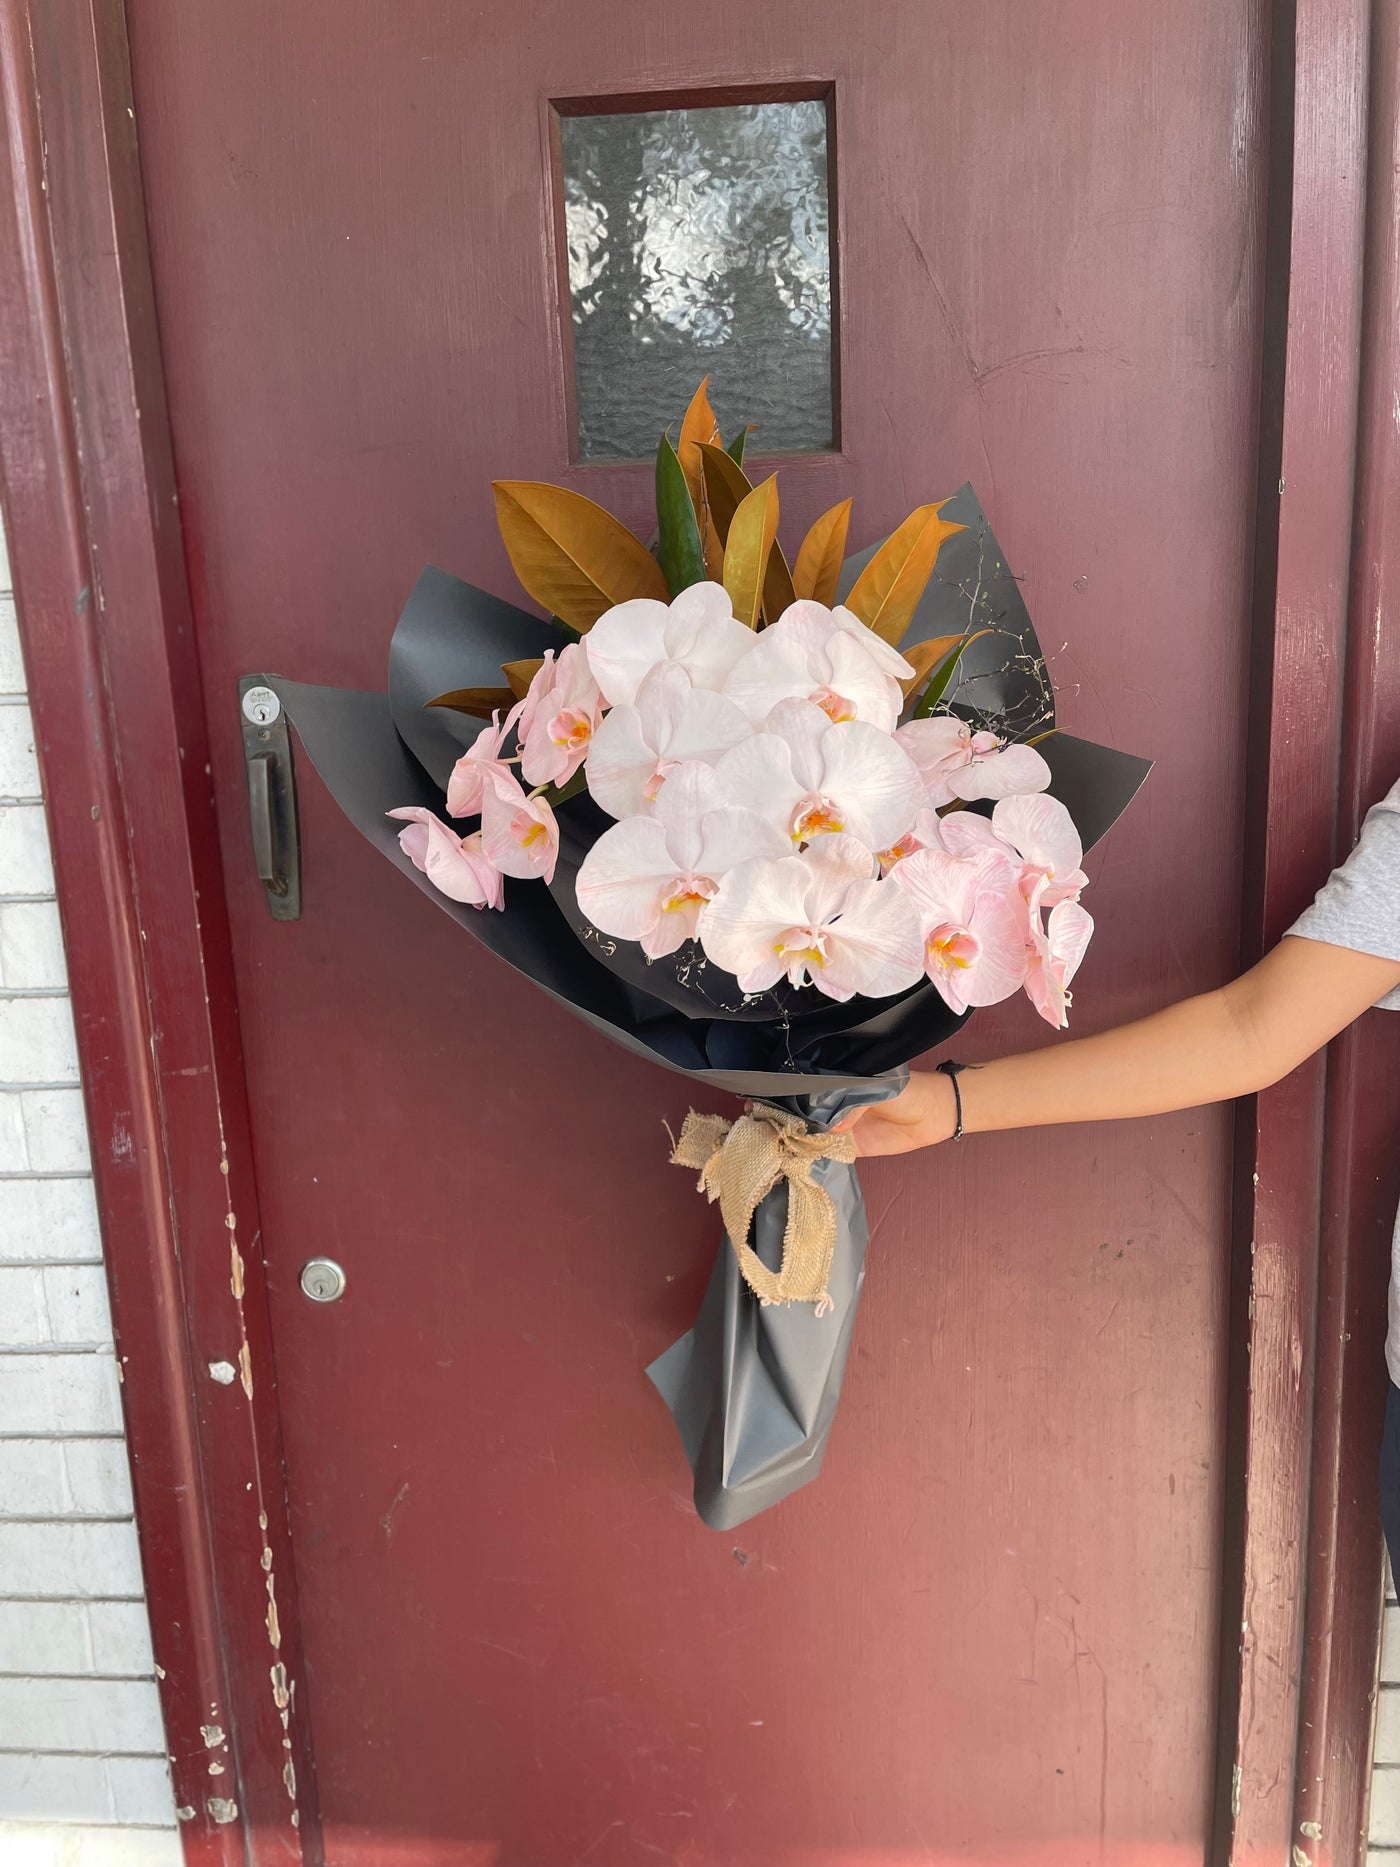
(647, 878)
(1039, 831)
(638, 746)
(826, 656)
(813, 778)
(956, 762)
(475, 772)
(699, 630)
(974, 922)
(818, 918)
(1053, 957)
(457, 865)
(519, 833)
(558, 717)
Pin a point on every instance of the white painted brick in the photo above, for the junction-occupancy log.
(19, 768)
(1387, 1742)
(55, 1130)
(75, 1637)
(121, 1635)
(1385, 1808)
(24, 1844)
(64, 1478)
(59, 1394)
(48, 1219)
(7, 582)
(31, 946)
(36, 1041)
(80, 1714)
(62, 1560)
(14, 1142)
(87, 1789)
(1390, 1645)
(25, 861)
(53, 1304)
(11, 660)
(26, 867)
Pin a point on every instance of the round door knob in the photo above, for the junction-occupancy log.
(322, 1280)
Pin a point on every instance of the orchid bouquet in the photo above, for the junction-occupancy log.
(791, 824)
(768, 804)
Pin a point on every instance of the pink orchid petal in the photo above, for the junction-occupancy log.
(456, 866)
(621, 879)
(874, 948)
(872, 779)
(624, 645)
(1001, 774)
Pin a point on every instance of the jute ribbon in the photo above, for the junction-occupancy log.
(739, 1163)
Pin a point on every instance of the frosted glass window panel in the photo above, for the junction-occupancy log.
(699, 244)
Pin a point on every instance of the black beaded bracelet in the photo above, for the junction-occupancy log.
(952, 1071)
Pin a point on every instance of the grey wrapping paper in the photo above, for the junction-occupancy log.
(753, 1389)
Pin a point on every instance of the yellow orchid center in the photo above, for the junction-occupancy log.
(530, 833)
(817, 816)
(951, 948)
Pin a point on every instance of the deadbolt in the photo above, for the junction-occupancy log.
(322, 1280)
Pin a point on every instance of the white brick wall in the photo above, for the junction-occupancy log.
(1385, 1757)
(83, 1777)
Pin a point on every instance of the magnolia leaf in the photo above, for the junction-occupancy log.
(520, 674)
(480, 702)
(823, 550)
(924, 657)
(726, 484)
(942, 677)
(752, 533)
(735, 450)
(887, 592)
(700, 428)
(726, 487)
(679, 549)
(571, 555)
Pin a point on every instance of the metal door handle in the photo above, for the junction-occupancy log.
(272, 797)
(260, 810)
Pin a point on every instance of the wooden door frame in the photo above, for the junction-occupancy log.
(92, 512)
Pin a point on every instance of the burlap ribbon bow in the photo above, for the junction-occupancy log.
(739, 1164)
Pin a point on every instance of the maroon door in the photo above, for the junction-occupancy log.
(989, 1632)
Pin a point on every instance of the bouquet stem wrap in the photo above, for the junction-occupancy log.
(753, 1387)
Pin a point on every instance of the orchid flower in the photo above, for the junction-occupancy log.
(518, 833)
(476, 770)
(817, 918)
(558, 717)
(673, 721)
(827, 656)
(1053, 958)
(457, 865)
(975, 924)
(1041, 833)
(699, 630)
(955, 762)
(647, 878)
(811, 778)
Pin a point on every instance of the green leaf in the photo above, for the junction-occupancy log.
(735, 450)
(680, 552)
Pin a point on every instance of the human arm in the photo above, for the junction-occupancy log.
(1223, 1044)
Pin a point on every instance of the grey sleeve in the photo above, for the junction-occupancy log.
(1359, 905)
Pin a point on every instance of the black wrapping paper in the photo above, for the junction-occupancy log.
(753, 1389)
